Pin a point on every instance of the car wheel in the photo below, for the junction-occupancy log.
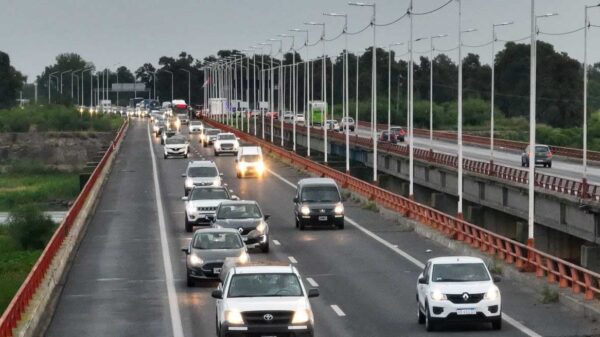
(429, 324)
(189, 227)
(216, 154)
(420, 316)
(238, 175)
(297, 224)
(549, 164)
(166, 156)
(497, 323)
(265, 247)
(190, 281)
(341, 226)
(301, 225)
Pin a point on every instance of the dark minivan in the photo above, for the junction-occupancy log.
(318, 202)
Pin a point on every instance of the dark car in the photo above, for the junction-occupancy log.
(388, 138)
(399, 132)
(208, 250)
(318, 202)
(543, 156)
(246, 217)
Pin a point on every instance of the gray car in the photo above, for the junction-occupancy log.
(247, 218)
(208, 250)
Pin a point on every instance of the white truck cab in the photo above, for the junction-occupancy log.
(249, 162)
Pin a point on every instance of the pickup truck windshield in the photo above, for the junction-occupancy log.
(265, 285)
(209, 194)
(202, 172)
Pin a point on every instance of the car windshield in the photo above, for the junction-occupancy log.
(160, 122)
(209, 194)
(217, 241)
(239, 211)
(541, 149)
(202, 172)
(265, 285)
(320, 194)
(459, 272)
(212, 132)
(175, 140)
(250, 158)
(195, 123)
(395, 129)
(226, 137)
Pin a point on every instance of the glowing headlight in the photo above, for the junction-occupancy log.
(301, 316)
(189, 183)
(217, 182)
(339, 208)
(305, 210)
(437, 295)
(195, 261)
(236, 145)
(260, 167)
(234, 317)
(243, 259)
(243, 166)
(492, 294)
(261, 227)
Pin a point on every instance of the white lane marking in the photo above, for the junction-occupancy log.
(312, 282)
(276, 243)
(337, 310)
(292, 259)
(413, 260)
(164, 243)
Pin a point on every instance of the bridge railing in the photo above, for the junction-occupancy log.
(523, 257)
(18, 305)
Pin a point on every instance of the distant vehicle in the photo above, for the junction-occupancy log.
(288, 117)
(196, 126)
(133, 102)
(176, 146)
(300, 118)
(458, 288)
(249, 162)
(166, 134)
(399, 132)
(208, 250)
(183, 118)
(318, 202)
(543, 156)
(332, 125)
(247, 218)
(387, 138)
(201, 173)
(347, 122)
(209, 136)
(226, 143)
(217, 106)
(105, 106)
(201, 205)
(179, 109)
(273, 114)
(264, 300)
(158, 127)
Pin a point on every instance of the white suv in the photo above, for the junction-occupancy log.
(458, 288)
(226, 143)
(201, 173)
(264, 300)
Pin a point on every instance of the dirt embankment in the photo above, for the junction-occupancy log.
(68, 151)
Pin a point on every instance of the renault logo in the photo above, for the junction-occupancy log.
(241, 230)
(268, 317)
(465, 297)
(322, 211)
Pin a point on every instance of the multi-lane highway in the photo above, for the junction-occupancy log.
(128, 277)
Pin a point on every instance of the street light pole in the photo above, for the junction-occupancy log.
(189, 85)
(585, 94)
(431, 49)
(390, 84)
(492, 97)
(294, 101)
(50, 86)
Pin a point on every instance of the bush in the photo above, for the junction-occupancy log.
(55, 118)
(29, 228)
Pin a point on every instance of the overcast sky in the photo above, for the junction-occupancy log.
(131, 32)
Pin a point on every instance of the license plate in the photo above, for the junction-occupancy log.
(323, 218)
(216, 270)
(466, 312)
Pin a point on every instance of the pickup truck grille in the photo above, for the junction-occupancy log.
(258, 317)
(227, 146)
(207, 209)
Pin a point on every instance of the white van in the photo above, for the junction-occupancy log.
(249, 162)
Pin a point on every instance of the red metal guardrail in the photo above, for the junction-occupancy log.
(485, 141)
(581, 189)
(523, 257)
(18, 305)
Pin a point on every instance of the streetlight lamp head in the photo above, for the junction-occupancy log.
(334, 14)
(312, 23)
(469, 30)
(439, 35)
(357, 4)
(506, 23)
(547, 15)
(284, 35)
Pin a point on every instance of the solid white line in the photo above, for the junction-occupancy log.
(292, 259)
(164, 243)
(276, 243)
(413, 260)
(337, 310)
(312, 282)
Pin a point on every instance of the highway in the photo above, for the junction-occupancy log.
(128, 276)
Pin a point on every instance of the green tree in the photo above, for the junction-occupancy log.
(11, 81)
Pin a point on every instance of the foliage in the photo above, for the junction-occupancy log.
(55, 118)
(11, 81)
(29, 228)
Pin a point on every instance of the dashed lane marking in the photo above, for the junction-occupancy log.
(312, 282)
(292, 259)
(276, 243)
(337, 310)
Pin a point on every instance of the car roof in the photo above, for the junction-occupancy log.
(249, 150)
(216, 230)
(317, 181)
(455, 259)
(265, 269)
(226, 133)
(237, 202)
(202, 163)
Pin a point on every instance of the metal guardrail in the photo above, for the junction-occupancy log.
(18, 305)
(523, 257)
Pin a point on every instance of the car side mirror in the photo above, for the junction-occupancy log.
(218, 294)
(183, 175)
(313, 293)
(220, 174)
(267, 216)
(295, 199)
(185, 250)
(497, 278)
(422, 280)
(185, 198)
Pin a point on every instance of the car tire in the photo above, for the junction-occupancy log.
(340, 226)
(166, 156)
(301, 225)
(238, 175)
(185, 155)
(420, 315)
(550, 165)
(497, 323)
(265, 248)
(216, 154)
(429, 324)
(297, 223)
(204, 144)
(190, 281)
(189, 227)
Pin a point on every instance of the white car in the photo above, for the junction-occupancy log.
(196, 126)
(288, 117)
(201, 173)
(201, 205)
(300, 118)
(249, 162)
(226, 142)
(332, 124)
(458, 288)
(176, 146)
(348, 122)
(264, 301)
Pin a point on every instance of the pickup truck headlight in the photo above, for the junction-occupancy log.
(196, 261)
(301, 316)
(437, 295)
(261, 227)
(236, 145)
(305, 210)
(234, 317)
(217, 182)
(189, 183)
(243, 258)
(492, 294)
(339, 209)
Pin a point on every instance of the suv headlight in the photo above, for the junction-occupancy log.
(301, 316)
(262, 226)
(189, 183)
(195, 260)
(437, 295)
(217, 182)
(234, 317)
(305, 210)
(492, 294)
(339, 208)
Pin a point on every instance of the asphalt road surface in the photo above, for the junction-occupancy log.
(128, 277)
